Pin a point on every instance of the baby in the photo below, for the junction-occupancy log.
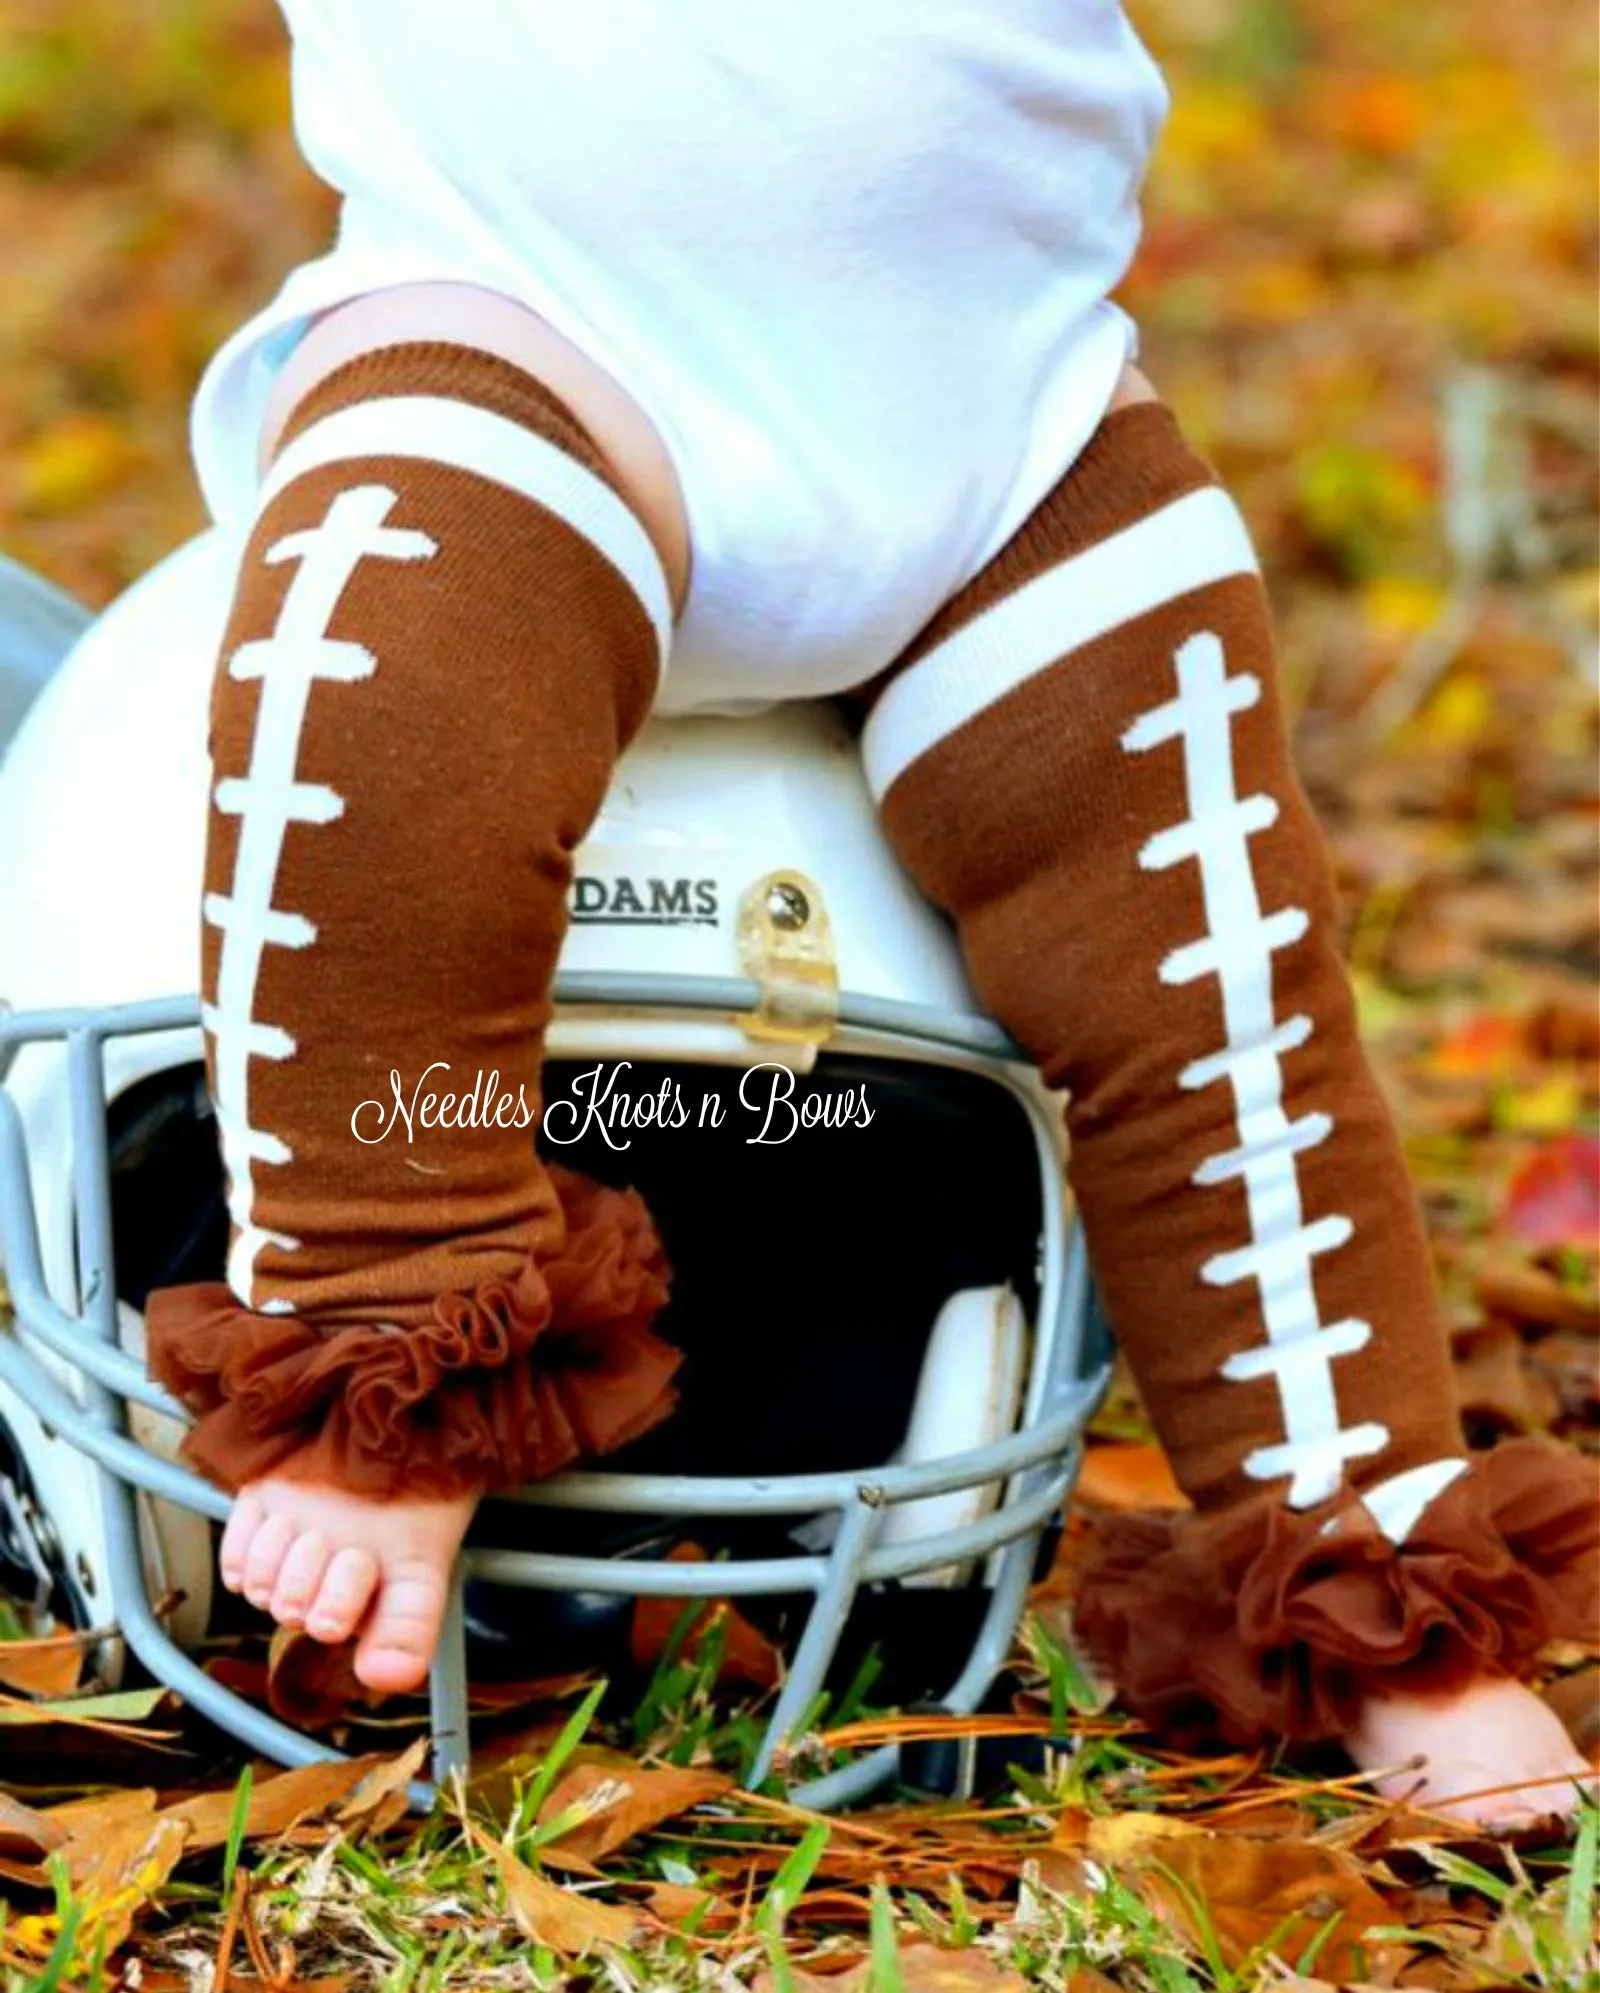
(692, 358)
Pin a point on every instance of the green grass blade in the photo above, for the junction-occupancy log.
(1583, 1881)
(792, 1880)
(63, 1951)
(236, 1827)
(778, 1960)
(543, 1781)
(886, 1975)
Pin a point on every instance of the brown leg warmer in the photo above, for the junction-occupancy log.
(448, 623)
(1084, 761)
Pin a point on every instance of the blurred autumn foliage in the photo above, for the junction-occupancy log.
(1349, 198)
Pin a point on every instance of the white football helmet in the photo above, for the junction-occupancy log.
(892, 1348)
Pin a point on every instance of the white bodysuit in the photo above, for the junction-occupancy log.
(851, 258)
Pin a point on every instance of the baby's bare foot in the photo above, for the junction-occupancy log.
(1492, 1754)
(332, 1562)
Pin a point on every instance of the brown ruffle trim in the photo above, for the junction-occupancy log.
(1254, 1625)
(506, 1384)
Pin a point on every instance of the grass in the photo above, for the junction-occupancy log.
(1042, 1881)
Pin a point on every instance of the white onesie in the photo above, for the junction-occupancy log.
(851, 257)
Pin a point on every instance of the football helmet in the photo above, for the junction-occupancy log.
(891, 1342)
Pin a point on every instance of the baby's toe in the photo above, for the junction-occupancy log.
(264, 1558)
(398, 1647)
(343, 1596)
(244, 1519)
(300, 1577)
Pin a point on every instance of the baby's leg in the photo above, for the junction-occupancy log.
(449, 620)
(1083, 759)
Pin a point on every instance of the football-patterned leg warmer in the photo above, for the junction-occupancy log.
(447, 625)
(1083, 760)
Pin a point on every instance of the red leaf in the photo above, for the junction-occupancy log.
(1554, 1198)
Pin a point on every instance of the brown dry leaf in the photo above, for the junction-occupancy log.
(547, 1914)
(833, 1907)
(1125, 1476)
(1119, 1838)
(748, 1655)
(122, 1714)
(1086, 1980)
(276, 1803)
(116, 1873)
(1065, 1871)
(923, 1968)
(25, 1834)
(1509, 1286)
(312, 1685)
(1493, 1383)
(500, 1698)
(1278, 1892)
(381, 1798)
(1568, 1361)
(807, 1980)
(91, 1823)
(625, 1803)
(48, 1667)
(1567, 1026)
(672, 1902)
(1296, 1984)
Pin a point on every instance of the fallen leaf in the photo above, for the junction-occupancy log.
(25, 1834)
(544, 1912)
(1530, 1294)
(71, 464)
(625, 1803)
(1547, 1106)
(1126, 1476)
(1492, 1045)
(52, 1666)
(104, 1812)
(311, 1684)
(675, 1902)
(92, 1712)
(1064, 1871)
(1493, 1382)
(1567, 1026)
(382, 1797)
(501, 1698)
(116, 1872)
(1125, 1837)
(922, 1968)
(1554, 1198)
(276, 1803)
(1257, 1892)
(748, 1655)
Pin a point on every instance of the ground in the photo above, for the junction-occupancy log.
(1368, 287)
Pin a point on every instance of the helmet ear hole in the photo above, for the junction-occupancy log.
(169, 1215)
